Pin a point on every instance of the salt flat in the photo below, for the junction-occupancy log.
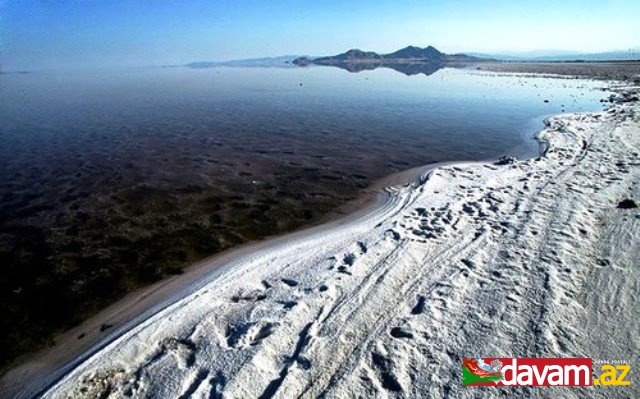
(529, 259)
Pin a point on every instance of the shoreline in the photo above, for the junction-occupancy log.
(146, 301)
(196, 277)
(532, 258)
(601, 70)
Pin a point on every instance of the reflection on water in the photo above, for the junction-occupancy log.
(409, 69)
(112, 180)
(406, 68)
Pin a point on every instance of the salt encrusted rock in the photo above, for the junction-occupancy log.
(627, 204)
(505, 160)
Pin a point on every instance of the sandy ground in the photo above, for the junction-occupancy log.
(528, 259)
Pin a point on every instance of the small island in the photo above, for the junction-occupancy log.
(409, 60)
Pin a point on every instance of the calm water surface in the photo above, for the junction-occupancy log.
(378, 116)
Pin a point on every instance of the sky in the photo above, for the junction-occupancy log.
(68, 34)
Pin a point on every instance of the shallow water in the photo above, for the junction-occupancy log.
(378, 115)
(87, 133)
(110, 180)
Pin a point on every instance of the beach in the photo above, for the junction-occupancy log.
(525, 258)
(36, 371)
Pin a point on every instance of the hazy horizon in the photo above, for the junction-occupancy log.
(36, 35)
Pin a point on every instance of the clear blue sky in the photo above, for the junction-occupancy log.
(59, 34)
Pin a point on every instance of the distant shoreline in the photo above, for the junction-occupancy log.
(604, 70)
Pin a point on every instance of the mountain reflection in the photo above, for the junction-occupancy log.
(409, 69)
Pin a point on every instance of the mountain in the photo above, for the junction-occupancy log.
(412, 55)
(407, 55)
(413, 52)
(351, 56)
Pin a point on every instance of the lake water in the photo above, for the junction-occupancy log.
(381, 115)
(109, 180)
